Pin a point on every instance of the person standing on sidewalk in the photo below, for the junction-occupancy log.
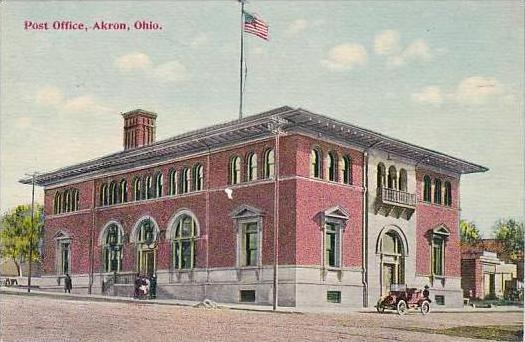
(68, 284)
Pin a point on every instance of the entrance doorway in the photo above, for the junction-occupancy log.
(392, 261)
(147, 262)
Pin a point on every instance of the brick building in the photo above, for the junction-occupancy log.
(344, 211)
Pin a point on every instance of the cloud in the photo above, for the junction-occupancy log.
(477, 90)
(133, 61)
(52, 97)
(474, 90)
(172, 71)
(49, 96)
(23, 122)
(418, 50)
(386, 42)
(345, 56)
(296, 27)
(429, 94)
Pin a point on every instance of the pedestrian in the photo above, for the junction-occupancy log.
(153, 287)
(136, 293)
(68, 284)
(426, 292)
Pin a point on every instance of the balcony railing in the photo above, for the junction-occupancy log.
(396, 197)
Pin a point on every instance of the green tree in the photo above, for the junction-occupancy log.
(510, 234)
(469, 232)
(15, 234)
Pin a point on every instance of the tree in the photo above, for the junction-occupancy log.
(510, 234)
(15, 234)
(469, 232)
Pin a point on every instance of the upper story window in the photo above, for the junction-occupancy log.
(251, 167)
(158, 184)
(172, 186)
(332, 167)
(392, 177)
(149, 190)
(184, 180)
(437, 191)
(123, 191)
(315, 163)
(113, 193)
(235, 170)
(66, 201)
(137, 189)
(381, 175)
(403, 180)
(269, 164)
(427, 189)
(346, 170)
(198, 177)
(104, 195)
(448, 194)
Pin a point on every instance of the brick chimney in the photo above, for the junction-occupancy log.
(139, 128)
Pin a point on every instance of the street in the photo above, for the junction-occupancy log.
(35, 318)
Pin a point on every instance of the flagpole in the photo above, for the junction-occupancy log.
(242, 57)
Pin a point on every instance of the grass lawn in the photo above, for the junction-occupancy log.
(495, 332)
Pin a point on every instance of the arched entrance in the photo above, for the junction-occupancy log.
(145, 236)
(392, 249)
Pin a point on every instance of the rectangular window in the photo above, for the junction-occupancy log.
(247, 296)
(437, 256)
(331, 245)
(333, 296)
(440, 300)
(251, 244)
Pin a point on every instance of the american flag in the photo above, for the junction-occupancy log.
(254, 25)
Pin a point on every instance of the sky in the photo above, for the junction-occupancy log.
(445, 75)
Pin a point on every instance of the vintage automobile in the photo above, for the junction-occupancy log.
(403, 299)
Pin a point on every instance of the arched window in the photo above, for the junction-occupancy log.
(137, 189)
(381, 175)
(123, 191)
(198, 177)
(332, 167)
(104, 195)
(315, 163)
(149, 190)
(185, 181)
(403, 180)
(184, 243)
(172, 182)
(158, 185)
(113, 193)
(437, 191)
(76, 200)
(269, 164)
(112, 249)
(427, 189)
(392, 177)
(67, 201)
(57, 206)
(235, 170)
(448, 194)
(251, 167)
(346, 170)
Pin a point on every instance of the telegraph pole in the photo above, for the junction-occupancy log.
(31, 229)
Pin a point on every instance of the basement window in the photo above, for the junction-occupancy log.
(333, 296)
(247, 296)
(440, 300)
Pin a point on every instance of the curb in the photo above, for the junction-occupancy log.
(114, 299)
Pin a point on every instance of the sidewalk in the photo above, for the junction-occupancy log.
(233, 306)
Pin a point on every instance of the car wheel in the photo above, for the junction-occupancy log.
(402, 307)
(425, 307)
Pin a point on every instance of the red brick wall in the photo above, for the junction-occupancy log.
(429, 216)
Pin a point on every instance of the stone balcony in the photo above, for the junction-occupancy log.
(400, 204)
